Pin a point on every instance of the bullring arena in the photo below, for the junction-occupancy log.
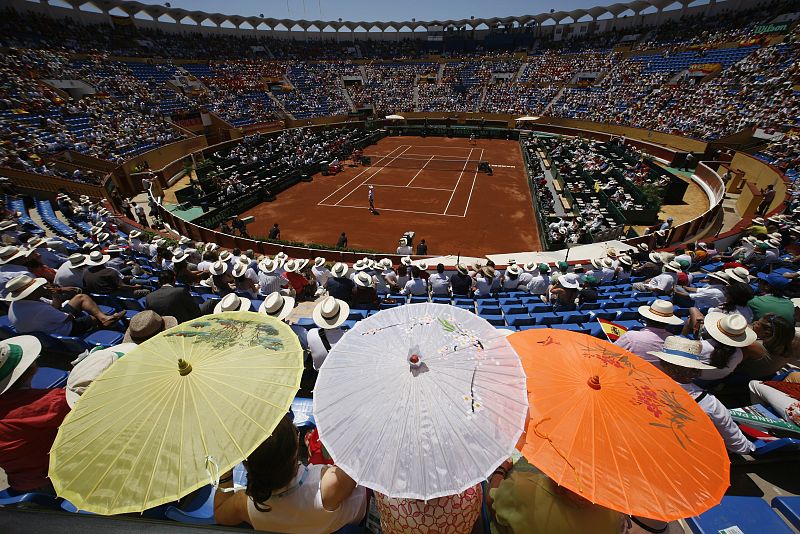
(492, 274)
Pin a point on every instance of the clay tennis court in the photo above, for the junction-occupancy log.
(427, 185)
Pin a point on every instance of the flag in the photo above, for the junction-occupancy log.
(611, 330)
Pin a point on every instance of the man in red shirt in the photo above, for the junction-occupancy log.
(29, 418)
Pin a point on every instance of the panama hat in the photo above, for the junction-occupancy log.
(626, 260)
(277, 306)
(296, 265)
(702, 245)
(36, 242)
(488, 271)
(225, 256)
(114, 248)
(612, 252)
(330, 312)
(184, 240)
(360, 265)
(363, 279)
(655, 257)
(661, 311)
(796, 302)
(103, 236)
(750, 239)
(218, 268)
(643, 247)
(134, 234)
(731, 330)
(513, 270)
(91, 368)
(231, 303)
(682, 352)
(597, 263)
(462, 269)
(673, 266)
(339, 269)
(721, 276)
(738, 274)
(95, 230)
(570, 281)
(146, 324)
(96, 257)
(179, 256)
(608, 263)
(319, 261)
(775, 243)
(17, 354)
(531, 266)
(776, 235)
(268, 266)
(77, 260)
(758, 221)
(423, 266)
(211, 246)
(386, 263)
(405, 260)
(281, 256)
(11, 253)
(21, 286)
(243, 258)
(239, 270)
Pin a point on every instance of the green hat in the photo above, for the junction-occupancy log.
(762, 245)
(562, 265)
(684, 264)
(544, 268)
(591, 280)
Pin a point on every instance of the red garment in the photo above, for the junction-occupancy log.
(298, 282)
(29, 421)
(790, 388)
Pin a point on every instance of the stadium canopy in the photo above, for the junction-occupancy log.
(198, 17)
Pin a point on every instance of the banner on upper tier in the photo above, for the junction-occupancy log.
(706, 68)
(762, 29)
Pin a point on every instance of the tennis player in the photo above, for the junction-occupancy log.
(371, 198)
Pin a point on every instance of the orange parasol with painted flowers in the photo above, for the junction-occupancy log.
(617, 431)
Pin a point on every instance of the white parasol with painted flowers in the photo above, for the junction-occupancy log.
(421, 401)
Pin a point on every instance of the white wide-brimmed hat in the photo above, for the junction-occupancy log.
(758, 221)
(225, 256)
(608, 263)
(513, 270)
(96, 257)
(422, 266)
(319, 261)
(21, 286)
(179, 256)
(219, 267)
(386, 263)
(463, 268)
(406, 260)
(17, 354)
(211, 246)
(673, 266)
(330, 312)
(570, 281)
(363, 279)
(739, 274)
(531, 266)
(231, 303)
(7, 225)
(661, 311)
(655, 257)
(103, 236)
(268, 266)
(339, 269)
(721, 276)
(597, 263)
(682, 352)
(91, 368)
(10, 253)
(146, 324)
(277, 306)
(281, 256)
(184, 240)
(731, 330)
(295, 265)
(134, 234)
(626, 260)
(239, 270)
(643, 247)
(77, 260)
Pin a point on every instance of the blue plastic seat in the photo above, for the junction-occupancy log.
(49, 378)
(306, 322)
(514, 309)
(520, 320)
(103, 338)
(463, 302)
(610, 304)
(357, 315)
(494, 320)
(303, 412)
(540, 307)
(781, 445)
(601, 314)
(572, 327)
(750, 514)
(489, 310)
(790, 508)
(418, 300)
(589, 306)
(576, 317)
(9, 497)
(630, 325)
(440, 300)
(547, 318)
(347, 325)
(532, 327)
(627, 314)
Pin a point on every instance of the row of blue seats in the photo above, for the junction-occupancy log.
(49, 218)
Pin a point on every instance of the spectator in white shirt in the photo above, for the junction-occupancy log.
(663, 283)
(439, 282)
(511, 279)
(681, 361)
(329, 314)
(415, 286)
(70, 273)
(708, 296)
(483, 281)
(540, 281)
(320, 271)
(723, 339)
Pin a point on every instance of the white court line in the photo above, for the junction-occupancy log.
(389, 209)
(473, 185)
(412, 187)
(458, 182)
(368, 178)
(447, 147)
(419, 171)
(320, 203)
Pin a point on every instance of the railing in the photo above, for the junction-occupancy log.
(32, 183)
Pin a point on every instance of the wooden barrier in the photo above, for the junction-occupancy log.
(36, 184)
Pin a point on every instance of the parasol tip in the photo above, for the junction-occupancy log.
(594, 382)
(184, 367)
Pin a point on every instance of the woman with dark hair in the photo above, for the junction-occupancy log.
(283, 495)
(775, 348)
(724, 337)
(737, 295)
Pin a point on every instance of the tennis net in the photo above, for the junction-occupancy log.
(434, 163)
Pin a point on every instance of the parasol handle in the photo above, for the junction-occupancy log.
(184, 367)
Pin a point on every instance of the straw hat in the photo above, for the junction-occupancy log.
(339, 269)
(77, 260)
(103, 236)
(319, 261)
(661, 311)
(423, 266)
(96, 258)
(386, 263)
(363, 279)
(360, 265)
(673, 266)
(462, 269)
(531, 266)
(682, 352)
(239, 270)
(488, 271)
(513, 270)
(268, 266)
(10, 253)
(218, 268)
(655, 257)
(184, 240)
(21, 286)
(281, 256)
(277, 306)
(90, 368)
(758, 221)
(211, 246)
(225, 256)
(330, 312)
(134, 234)
(721, 276)
(231, 303)
(17, 354)
(738, 274)
(730, 330)
(776, 243)
(405, 260)
(626, 260)
(612, 252)
(608, 263)
(179, 256)
(597, 263)
(146, 324)
(570, 281)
